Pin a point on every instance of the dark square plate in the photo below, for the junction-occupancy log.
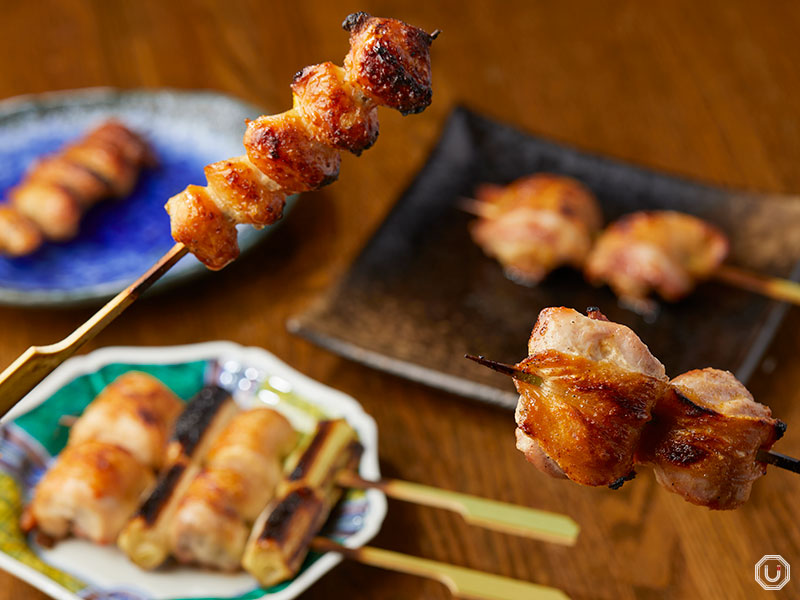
(421, 294)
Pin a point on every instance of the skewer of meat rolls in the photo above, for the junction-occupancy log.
(98, 480)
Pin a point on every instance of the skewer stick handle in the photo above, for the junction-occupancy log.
(777, 459)
(491, 514)
(462, 583)
(783, 290)
(37, 362)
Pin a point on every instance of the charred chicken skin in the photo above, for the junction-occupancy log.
(58, 189)
(298, 150)
(536, 224)
(604, 405)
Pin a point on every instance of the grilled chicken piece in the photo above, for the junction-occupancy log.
(600, 383)
(283, 148)
(91, 490)
(390, 61)
(664, 252)
(536, 224)
(58, 189)
(703, 441)
(335, 111)
(145, 539)
(136, 412)
(298, 150)
(242, 469)
(18, 234)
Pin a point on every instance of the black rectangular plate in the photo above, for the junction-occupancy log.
(421, 294)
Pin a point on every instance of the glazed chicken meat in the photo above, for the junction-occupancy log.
(662, 252)
(536, 224)
(334, 109)
(594, 403)
(58, 189)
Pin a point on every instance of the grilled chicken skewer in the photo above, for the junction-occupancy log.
(661, 252)
(57, 190)
(388, 64)
(594, 403)
(97, 482)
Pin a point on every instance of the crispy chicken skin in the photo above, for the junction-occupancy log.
(242, 468)
(136, 412)
(284, 150)
(199, 223)
(18, 234)
(298, 150)
(536, 224)
(58, 189)
(335, 111)
(390, 61)
(664, 252)
(91, 490)
(600, 383)
(703, 441)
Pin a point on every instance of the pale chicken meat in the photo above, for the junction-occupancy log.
(662, 252)
(242, 468)
(90, 491)
(136, 412)
(334, 109)
(599, 385)
(536, 224)
(58, 189)
(703, 441)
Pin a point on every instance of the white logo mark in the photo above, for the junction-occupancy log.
(765, 578)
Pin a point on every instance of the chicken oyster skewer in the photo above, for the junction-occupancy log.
(594, 403)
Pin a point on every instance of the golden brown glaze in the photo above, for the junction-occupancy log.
(665, 252)
(390, 61)
(703, 441)
(298, 150)
(536, 224)
(587, 416)
(198, 223)
(91, 490)
(18, 234)
(244, 193)
(136, 412)
(285, 151)
(338, 113)
(57, 189)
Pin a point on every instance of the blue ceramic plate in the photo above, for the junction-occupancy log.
(118, 239)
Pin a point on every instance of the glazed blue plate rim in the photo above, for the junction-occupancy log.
(188, 267)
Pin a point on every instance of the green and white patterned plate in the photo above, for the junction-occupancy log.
(75, 569)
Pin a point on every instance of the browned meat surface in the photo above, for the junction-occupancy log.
(536, 224)
(703, 441)
(136, 412)
(599, 385)
(91, 490)
(664, 252)
(298, 150)
(58, 189)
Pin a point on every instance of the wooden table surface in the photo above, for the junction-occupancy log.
(706, 90)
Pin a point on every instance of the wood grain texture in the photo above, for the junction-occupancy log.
(707, 90)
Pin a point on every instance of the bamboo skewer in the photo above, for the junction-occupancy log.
(775, 459)
(37, 362)
(462, 583)
(490, 514)
(783, 290)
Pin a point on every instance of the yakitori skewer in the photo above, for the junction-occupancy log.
(777, 288)
(771, 457)
(335, 108)
(462, 583)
